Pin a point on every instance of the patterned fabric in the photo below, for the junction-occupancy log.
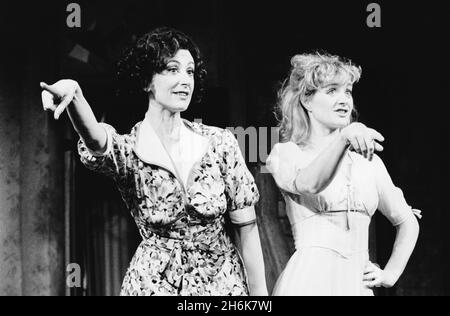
(185, 248)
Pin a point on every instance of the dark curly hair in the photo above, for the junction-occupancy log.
(149, 56)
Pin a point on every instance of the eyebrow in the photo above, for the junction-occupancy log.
(334, 84)
(176, 61)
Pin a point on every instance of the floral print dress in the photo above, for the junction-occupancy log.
(185, 248)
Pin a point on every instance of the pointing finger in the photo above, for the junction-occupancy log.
(50, 89)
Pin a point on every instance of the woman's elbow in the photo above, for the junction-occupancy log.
(414, 223)
(307, 187)
(97, 147)
(411, 225)
(416, 226)
(247, 229)
(317, 189)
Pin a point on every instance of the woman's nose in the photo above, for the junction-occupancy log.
(186, 79)
(344, 98)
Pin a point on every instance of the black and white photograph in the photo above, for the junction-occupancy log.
(216, 148)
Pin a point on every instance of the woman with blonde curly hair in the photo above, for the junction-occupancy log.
(333, 183)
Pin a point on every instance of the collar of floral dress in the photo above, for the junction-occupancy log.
(149, 148)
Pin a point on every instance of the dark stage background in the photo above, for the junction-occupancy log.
(53, 212)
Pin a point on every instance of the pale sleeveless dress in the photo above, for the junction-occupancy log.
(331, 229)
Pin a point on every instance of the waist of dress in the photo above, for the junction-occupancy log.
(217, 244)
(190, 260)
(330, 230)
(364, 212)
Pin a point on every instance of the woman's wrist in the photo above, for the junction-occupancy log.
(390, 277)
(78, 91)
(342, 139)
(78, 97)
(258, 290)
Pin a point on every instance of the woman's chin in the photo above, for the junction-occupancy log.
(178, 108)
(342, 123)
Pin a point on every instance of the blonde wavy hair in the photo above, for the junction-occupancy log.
(309, 73)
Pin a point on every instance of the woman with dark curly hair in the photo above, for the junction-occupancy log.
(179, 179)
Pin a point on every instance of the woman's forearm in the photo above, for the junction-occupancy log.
(405, 241)
(253, 259)
(318, 175)
(85, 123)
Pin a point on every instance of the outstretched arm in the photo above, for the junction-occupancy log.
(318, 175)
(67, 94)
